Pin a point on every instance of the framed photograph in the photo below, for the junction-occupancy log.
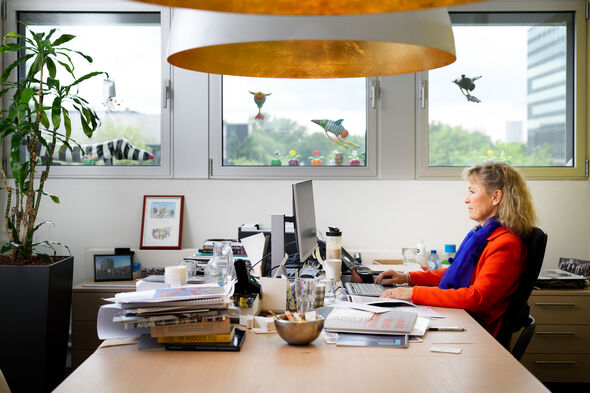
(113, 267)
(161, 224)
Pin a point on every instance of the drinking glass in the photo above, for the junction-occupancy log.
(305, 294)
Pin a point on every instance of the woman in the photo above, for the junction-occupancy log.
(487, 267)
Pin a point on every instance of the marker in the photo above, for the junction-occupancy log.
(447, 329)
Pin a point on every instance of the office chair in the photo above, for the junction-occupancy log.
(517, 314)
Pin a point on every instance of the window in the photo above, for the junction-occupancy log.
(128, 45)
(292, 127)
(512, 95)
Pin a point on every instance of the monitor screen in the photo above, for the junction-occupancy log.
(304, 219)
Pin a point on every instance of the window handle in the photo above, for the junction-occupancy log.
(165, 92)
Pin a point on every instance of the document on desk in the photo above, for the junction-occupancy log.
(383, 304)
(357, 321)
(401, 268)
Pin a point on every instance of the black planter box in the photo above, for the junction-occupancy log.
(35, 304)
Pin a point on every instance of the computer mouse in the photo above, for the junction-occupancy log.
(362, 274)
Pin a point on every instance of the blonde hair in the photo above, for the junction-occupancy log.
(516, 210)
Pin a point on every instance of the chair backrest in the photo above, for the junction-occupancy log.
(517, 313)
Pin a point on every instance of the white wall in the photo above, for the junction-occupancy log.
(373, 215)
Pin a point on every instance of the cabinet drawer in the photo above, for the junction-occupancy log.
(560, 339)
(85, 305)
(558, 367)
(560, 309)
(84, 335)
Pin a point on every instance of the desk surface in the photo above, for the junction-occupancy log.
(267, 364)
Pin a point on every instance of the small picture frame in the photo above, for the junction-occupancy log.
(161, 223)
(113, 267)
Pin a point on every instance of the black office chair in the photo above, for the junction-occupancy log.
(517, 315)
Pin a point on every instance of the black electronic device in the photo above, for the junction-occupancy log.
(362, 274)
(245, 284)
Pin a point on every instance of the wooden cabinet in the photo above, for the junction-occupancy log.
(560, 348)
(85, 304)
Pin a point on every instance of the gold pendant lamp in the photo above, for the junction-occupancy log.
(309, 7)
(311, 46)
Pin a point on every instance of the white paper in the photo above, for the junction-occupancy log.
(360, 306)
(446, 350)
(106, 329)
(420, 327)
(401, 268)
(254, 246)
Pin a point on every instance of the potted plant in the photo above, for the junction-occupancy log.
(35, 283)
(316, 159)
(293, 158)
(277, 160)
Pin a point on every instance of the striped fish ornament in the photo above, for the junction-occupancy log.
(119, 148)
(337, 129)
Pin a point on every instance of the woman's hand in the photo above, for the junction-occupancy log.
(404, 293)
(392, 277)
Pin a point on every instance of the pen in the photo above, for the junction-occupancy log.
(447, 329)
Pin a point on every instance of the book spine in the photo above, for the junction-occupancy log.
(192, 329)
(206, 338)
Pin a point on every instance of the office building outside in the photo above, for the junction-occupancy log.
(548, 120)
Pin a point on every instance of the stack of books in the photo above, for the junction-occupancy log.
(363, 328)
(184, 318)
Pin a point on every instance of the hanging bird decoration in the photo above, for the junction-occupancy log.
(336, 128)
(466, 85)
(259, 99)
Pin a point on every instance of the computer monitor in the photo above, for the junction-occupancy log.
(304, 227)
(304, 219)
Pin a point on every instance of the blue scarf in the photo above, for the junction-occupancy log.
(459, 274)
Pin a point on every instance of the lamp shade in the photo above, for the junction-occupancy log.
(309, 7)
(311, 46)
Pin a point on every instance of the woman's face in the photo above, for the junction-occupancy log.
(480, 204)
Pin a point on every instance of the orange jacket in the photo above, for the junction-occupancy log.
(496, 277)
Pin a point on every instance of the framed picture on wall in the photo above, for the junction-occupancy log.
(161, 224)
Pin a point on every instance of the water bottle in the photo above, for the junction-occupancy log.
(219, 269)
(449, 255)
(433, 260)
(333, 243)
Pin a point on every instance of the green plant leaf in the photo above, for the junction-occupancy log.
(8, 70)
(56, 112)
(54, 198)
(11, 47)
(67, 122)
(63, 39)
(87, 76)
(50, 67)
(44, 119)
(26, 95)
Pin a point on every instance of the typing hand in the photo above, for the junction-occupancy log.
(404, 293)
(391, 277)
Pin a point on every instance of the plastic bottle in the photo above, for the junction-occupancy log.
(433, 260)
(421, 256)
(219, 269)
(448, 255)
(333, 243)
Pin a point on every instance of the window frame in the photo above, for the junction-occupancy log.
(217, 170)
(164, 170)
(579, 170)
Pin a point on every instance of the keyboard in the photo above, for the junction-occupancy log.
(364, 289)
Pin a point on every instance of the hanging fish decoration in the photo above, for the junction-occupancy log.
(259, 99)
(336, 128)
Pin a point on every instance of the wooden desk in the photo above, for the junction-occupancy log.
(267, 364)
(85, 304)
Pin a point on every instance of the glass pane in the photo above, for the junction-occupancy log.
(291, 122)
(126, 46)
(509, 94)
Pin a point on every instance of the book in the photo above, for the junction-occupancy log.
(372, 340)
(192, 329)
(234, 345)
(139, 321)
(356, 321)
(198, 339)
